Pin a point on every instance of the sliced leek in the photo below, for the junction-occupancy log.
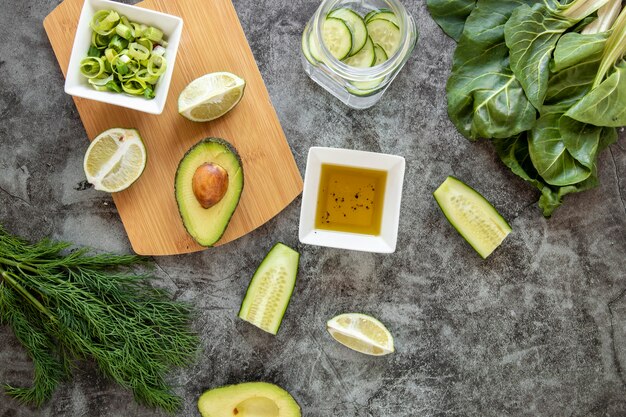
(124, 56)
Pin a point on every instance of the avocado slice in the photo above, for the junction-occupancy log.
(250, 399)
(208, 185)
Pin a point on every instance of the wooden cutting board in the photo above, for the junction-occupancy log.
(212, 40)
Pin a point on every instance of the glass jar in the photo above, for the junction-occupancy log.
(358, 88)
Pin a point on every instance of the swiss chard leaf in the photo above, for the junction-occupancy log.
(605, 105)
(485, 99)
(576, 61)
(551, 157)
(514, 154)
(450, 15)
(531, 35)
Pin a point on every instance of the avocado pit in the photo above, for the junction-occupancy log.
(209, 184)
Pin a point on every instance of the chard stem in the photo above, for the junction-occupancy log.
(580, 9)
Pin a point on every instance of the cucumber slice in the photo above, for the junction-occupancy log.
(365, 88)
(472, 216)
(365, 58)
(373, 12)
(381, 55)
(355, 24)
(337, 37)
(385, 15)
(305, 48)
(386, 34)
(270, 289)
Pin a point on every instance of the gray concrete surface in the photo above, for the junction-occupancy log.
(538, 329)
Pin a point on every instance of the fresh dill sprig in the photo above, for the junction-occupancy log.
(70, 305)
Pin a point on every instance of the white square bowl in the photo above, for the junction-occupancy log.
(76, 84)
(383, 243)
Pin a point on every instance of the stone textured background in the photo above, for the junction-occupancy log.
(538, 329)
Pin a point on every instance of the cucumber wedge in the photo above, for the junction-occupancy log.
(355, 24)
(386, 34)
(337, 38)
(380, 54)
(365, 58)
(386, 15)
(270, 289)
(472, 216)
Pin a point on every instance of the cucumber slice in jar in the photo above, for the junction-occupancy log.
(305, 47)
(386, 34)
(385, 15)
(365, 58)
(373, 12)
(355, 24)
(380, 54)
(270, 289)
(472, 216)
(336, 36)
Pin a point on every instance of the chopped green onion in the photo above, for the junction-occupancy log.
(124, 56)
(154, 34)
(92, 67)
(156, 65)
(93, 52)
(137, 51)
(99, 41)
(134, 86)
(104, 22)
(114, 86)
(124, 31)
(118, 43)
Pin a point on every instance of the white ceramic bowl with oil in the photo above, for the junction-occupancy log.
(385, 242)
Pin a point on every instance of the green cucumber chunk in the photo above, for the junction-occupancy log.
(365, 58)
(472, 216)
(380, 54)
(386, 34)
(385, 15)
(270, 289)
(355, 24)
(336, 36)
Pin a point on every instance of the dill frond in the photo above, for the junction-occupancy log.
(67, 305)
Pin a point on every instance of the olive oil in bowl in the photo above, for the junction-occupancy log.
(350, 199)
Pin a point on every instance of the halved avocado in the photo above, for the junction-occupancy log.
(250, 399)
(208, 185)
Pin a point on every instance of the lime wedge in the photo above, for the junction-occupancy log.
(115, 159)
(210, 96)
(362, 333)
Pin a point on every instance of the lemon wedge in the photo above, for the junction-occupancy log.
(210, 96)
(362, 333)
(115, 159)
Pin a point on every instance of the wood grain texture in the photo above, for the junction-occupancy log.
(212, 40)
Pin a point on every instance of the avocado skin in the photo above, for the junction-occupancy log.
(234, 152)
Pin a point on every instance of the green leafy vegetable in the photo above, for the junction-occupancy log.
(545, 81)
(450, 15)
(485, 99)
(65, 306)
(531, 35)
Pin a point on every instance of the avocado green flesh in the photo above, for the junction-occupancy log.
(472, 216)
(270, 289)
(250, 399)
(207, 226)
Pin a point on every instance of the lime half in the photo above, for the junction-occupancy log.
(210, 96)
(362, 333)
(115, 159)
